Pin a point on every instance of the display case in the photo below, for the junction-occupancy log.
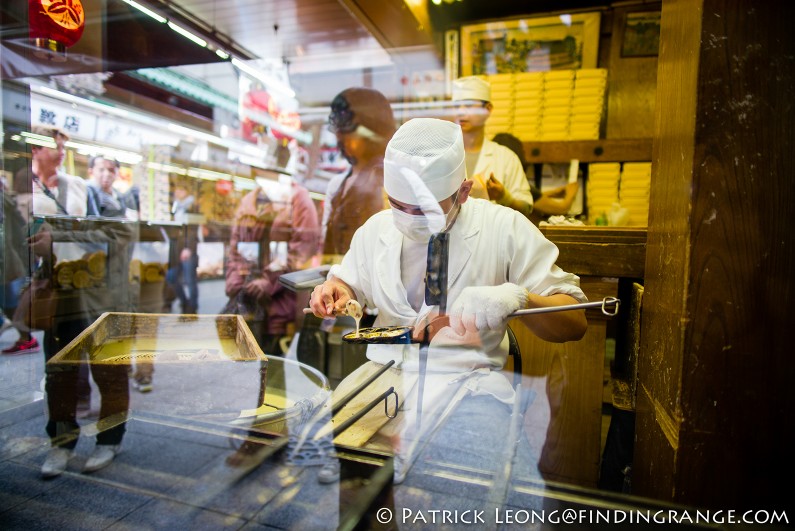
(106, 264)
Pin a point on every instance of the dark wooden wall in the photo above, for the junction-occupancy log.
(716, 371)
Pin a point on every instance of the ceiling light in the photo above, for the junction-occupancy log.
(187, 34)
(222, 54)
(269, 81)
(146, 11)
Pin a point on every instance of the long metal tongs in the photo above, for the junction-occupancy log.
(414, 334)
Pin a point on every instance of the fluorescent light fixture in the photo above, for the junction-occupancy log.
(187, 34)
(270, 82)
(242, 183)
(168, 168)
(194, 133)
(127, 157)
(208, 175)
(39, 140)
(146, 11)
(222, 54)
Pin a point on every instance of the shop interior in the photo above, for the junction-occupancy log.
(671, 119)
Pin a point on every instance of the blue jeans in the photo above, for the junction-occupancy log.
(183, 280)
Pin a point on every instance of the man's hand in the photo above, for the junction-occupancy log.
(41, 243)
(486, 307)
(259, 288)
(185, 255)
(329, 298)
(495, 189)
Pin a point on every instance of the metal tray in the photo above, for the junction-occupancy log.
(122, 338)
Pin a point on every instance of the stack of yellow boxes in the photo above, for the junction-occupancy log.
(587, 103)
(503, 100)
(528, 105)
(602, 188)
(558, 92)
(548, 106)
(634, 191)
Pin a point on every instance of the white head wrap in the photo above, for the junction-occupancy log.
(471, 88)
(425, 155)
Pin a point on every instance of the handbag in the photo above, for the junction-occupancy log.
(37, 306)
(244, 305)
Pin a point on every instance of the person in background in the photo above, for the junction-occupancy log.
(46, 191)
(496, 172)
(363, 122)
(181, 279)
(276, 231)
(56, 193)
(555, 202)
(13, 269)
(107, 201)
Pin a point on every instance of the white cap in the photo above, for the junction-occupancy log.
(425, 155)
(471, 88)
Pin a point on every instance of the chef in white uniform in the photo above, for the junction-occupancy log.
(496, 172)
(499, 262)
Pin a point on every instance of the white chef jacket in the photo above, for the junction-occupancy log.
(500, 160)
(489, 245)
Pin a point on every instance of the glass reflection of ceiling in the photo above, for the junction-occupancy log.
(288, 29)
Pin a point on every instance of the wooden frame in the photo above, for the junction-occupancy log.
(530, 44)
(641, 34)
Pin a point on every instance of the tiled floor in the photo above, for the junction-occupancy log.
(166, 478)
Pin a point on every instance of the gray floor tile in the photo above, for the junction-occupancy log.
(167, 514)
(73, 503)
(19, 484)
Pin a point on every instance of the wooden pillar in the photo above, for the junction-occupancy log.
(716, 367)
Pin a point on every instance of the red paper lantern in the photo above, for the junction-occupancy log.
(223, 187)
(56, 24)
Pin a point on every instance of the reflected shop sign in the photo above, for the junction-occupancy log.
(83, 124)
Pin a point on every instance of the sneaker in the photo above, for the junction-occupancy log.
(101, 457)
(22, 347)
(143, 385)
(330, 473)
(56, 461)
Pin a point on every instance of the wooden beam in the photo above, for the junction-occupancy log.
(603, 150)
(600, 251)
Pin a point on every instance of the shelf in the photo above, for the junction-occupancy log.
(603, 150)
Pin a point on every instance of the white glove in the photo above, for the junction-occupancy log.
(486, 307)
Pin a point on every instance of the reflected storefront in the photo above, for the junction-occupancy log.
(163, 193)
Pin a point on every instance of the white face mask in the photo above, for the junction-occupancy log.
(420, 228)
